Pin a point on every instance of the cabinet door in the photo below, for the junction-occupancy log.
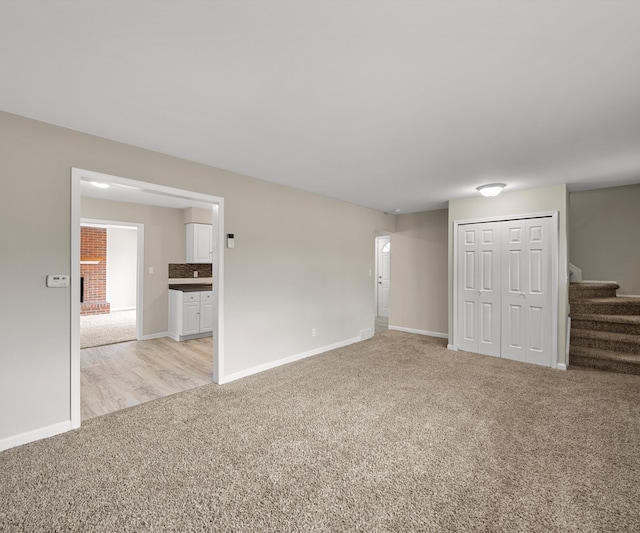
(190, 318)
(199, 243)
(206, 316)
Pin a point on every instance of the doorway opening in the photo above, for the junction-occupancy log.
(123, 192)
(383, 276)
(111, 261)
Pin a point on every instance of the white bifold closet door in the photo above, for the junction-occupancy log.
(479, 267)
(504, 289)
(526, 290)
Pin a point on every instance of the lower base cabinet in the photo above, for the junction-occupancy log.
(191, 314)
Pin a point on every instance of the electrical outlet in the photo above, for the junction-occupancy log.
(313, 332)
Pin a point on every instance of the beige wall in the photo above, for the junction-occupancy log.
(301, 261)
(544, 199)
(164, 243)
(418, 296)
(605, 238)
(197, 215)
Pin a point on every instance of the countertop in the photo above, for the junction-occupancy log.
(193, 287)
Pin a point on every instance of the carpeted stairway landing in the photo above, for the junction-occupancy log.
(605, 328)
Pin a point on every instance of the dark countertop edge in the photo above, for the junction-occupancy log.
(191, 287)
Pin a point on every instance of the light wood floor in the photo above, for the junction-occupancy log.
(382, 324)
(130, 373)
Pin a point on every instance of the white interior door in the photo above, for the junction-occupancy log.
(384, 269)
(478, 280)
(526, 291)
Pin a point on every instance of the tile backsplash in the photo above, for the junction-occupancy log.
(186, 270)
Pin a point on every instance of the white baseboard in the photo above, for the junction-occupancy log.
(451, 347)
(420, 332)
(36, 434)
(155, 336)
(286, 360)
(561, 366)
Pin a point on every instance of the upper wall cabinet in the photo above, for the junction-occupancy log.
(199, 243)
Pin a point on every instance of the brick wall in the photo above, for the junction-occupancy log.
(93, 245)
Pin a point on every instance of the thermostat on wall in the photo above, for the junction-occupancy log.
(58, 280)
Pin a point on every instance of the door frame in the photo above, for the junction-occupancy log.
(377, 262)
(78, 175)
(139, 265)
(554, 273)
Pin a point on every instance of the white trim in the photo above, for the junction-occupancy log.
(77, 175)
(420, 332)
(155, 336)
(74, 393)
(567, 343)
(554, 274)
(452, 348)
(286, 360)
(561, 366)
(36, 434)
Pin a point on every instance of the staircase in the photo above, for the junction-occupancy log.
(605, 329)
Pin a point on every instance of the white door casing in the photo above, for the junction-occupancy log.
(383, 272)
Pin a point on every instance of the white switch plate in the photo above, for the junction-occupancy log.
(58, 280)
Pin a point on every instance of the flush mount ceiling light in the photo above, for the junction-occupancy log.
(99, 184)
(491, 189)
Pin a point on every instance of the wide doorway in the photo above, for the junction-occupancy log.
(135, 371)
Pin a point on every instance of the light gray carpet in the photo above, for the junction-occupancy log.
(395, 433)
(98, 330)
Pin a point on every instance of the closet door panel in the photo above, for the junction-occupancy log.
(538, 291)
(467, 280)
(513, 299)
(489, 289)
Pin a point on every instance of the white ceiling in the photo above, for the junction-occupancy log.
(386, 104)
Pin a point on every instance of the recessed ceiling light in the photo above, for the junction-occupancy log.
(491, 189)
(397, 210)
(99, 184)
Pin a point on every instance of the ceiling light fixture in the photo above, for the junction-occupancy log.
(99, 184)
(491, 189)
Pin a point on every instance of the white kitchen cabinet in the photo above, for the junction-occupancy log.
(199, 243)
(191, 314)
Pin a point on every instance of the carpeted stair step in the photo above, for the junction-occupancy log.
(592, 290)
(604, 360)
(629, 324)
(606, 340)
(606, 306)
